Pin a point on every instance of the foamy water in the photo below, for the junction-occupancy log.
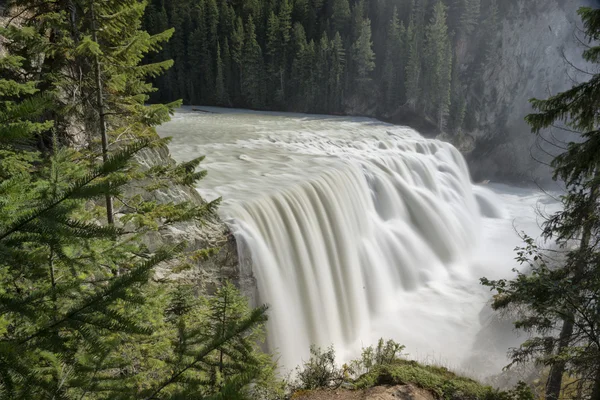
(359, 230)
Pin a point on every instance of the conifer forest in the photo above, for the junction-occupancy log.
(329, 56)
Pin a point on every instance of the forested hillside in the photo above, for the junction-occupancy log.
(418, 58)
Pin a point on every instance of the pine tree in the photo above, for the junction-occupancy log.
(458, 103)
(413, 68)
(558, 298)
(227, 70)
(438, 66)
(252, 68)
(340, 18)
(285, 23)
(321, 72)
(393, 65)
(222, 95)
(363, 56)
(286, 58)
(489, 31)
(336, 74)
(273, 53)
(470, 16)
(81, 317)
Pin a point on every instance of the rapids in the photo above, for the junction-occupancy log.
(358, 230)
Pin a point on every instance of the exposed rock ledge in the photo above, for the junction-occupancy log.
(213, 233)
(400, 392)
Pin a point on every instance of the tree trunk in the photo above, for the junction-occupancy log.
(102, 115)
(596, 388)
(554, 383)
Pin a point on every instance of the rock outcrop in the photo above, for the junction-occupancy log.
(539, 55)
(211, 233)
(400, 392)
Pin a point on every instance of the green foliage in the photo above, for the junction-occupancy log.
(383, 365)
(320, 371)
(362, 52)
(413, 67)
(394, 65)
(437, 69)
(81, 316)
(252, 68)
(440, 381)
(385, 353)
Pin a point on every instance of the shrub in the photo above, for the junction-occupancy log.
(385, 353)
(320, 371)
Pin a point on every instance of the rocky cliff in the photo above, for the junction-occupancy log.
(539, 54)
(212, 234)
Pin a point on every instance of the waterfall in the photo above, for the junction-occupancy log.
(355, 229)
(332, 252)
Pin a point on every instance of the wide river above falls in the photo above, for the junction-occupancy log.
(359, 229)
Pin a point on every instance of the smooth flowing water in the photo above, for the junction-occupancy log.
(358, 230)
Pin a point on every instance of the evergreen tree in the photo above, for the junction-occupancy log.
(237, 47)
(221, 90)
(363, 56)
(393, 67)
(285, 23)
(437, 67)
(285, 29)
(273, 52)
(80, 315)
(413, 68)
(336, 74)
(470, 16)
(558, 297)
(340, 18)
(322, 70)
(489, 31)
(252, 68)
(227, 70)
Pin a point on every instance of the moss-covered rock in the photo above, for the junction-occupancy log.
(440, 381)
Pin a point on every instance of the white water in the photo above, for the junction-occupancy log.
(358, 230)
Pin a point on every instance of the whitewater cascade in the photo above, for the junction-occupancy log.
(333, 251)
(354, 230)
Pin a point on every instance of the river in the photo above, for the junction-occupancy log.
(359, 229)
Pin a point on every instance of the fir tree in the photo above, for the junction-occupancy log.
(470, 16)
(363, 56)
(222, 95)
(393, 65)
(336, 74)
(340, 18)
(273, 55)
(413, 68)
(78, 306)
(252, 68)
(285, 32)
(438, 66)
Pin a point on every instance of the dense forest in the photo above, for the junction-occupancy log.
(417, 57)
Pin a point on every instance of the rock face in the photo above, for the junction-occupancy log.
(539, 41)
(212, 233)
(403, 392)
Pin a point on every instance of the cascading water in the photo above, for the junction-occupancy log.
(356, 229)
(331, 252)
